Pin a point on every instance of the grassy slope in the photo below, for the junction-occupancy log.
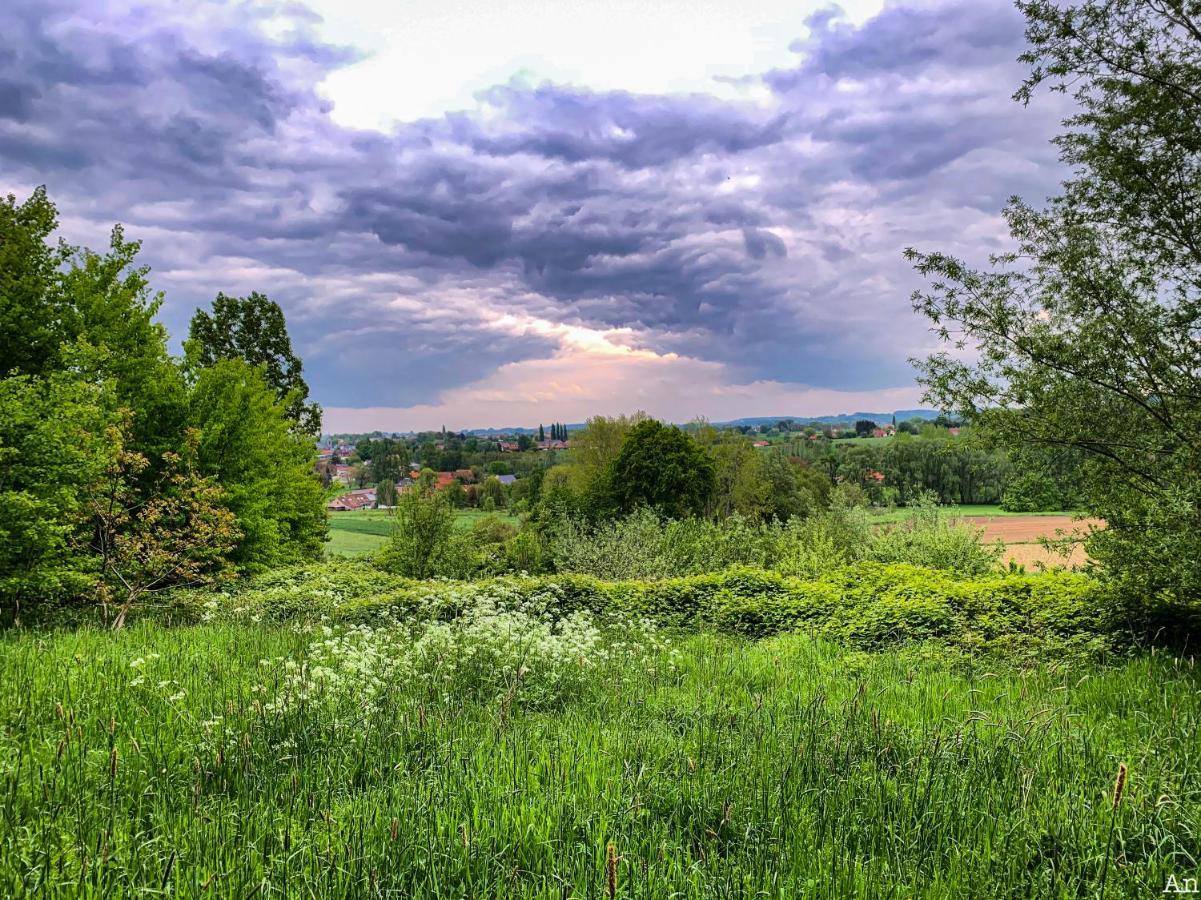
(785, 767)
(361, 531)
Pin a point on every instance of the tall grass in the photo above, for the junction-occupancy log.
(641, 546)
(159, 762)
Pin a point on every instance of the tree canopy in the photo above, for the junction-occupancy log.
(120, 476)
(1083, 341)
(663, 468)
(253, 328)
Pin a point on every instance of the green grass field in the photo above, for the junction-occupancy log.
(361, 531)
(899, 514)
(163, 762)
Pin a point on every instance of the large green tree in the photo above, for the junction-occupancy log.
(69, 308)
(52, 449)
(1087, 336)
(32, 305)
(253, 328)
(663, 468)
(266, 466)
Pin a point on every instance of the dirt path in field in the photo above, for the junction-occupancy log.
(1021, 535)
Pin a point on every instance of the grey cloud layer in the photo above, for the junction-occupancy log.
(767, 236)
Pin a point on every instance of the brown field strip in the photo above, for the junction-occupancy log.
(1021, 536)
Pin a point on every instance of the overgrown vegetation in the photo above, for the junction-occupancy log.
(1087, 331)
(229, 760)
(124, 470)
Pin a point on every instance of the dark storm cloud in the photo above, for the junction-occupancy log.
(633, 131)
(765, 235)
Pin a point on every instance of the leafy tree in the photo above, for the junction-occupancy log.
(385, 493)
(864, 427)
(596, 448)
(422, 534)
(176, 533)
(1087, 331)
(739, 483)
(63, 308)
(492, 490)
(663, 468)
(51, 449)
(253, 328)
(796, 490)
(248, 444)
(455, 495)
(111, 320)
(33, 309)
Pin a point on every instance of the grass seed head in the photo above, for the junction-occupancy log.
(1119, 785)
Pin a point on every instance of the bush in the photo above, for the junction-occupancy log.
(422, 535)
(866, 605)
(642, 546)
(927, 539)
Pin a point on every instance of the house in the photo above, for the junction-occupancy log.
(552, 445)
(761, 444)
(465, 475)
(507, 479)
(509, 447)
(364, 499)
(953, 431)
(877, 477)
(444, 479)
(344, 474)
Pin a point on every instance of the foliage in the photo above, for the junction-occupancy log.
(33, 309)
(493, 490)
(660, 467)
(422, 543)
(253, 329)
(517, 654)
(266, 467)
(87, 380)
(927, 538)
(51, 449)
(1087, 331)
(151, 538)
(865, 604)
(642, 546)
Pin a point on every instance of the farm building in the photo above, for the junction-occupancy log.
(364, 499)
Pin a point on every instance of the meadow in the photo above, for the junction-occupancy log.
(584, 758)
(362, 531)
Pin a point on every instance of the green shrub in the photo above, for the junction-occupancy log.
(866, 605)
(926, 538)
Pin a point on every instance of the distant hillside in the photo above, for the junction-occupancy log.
(839, 419)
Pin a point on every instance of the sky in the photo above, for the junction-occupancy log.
(495, 214)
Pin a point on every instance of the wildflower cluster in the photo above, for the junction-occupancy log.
(493, 645)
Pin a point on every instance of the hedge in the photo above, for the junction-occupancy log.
(866, 605)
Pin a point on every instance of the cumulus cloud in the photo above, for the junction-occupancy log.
(739, 252)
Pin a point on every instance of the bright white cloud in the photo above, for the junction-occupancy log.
(428, 57)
